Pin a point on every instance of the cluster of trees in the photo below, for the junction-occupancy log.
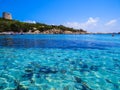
(17, 26)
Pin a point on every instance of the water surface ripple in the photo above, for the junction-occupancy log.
(59, 62)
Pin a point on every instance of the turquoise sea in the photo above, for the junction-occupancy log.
(60, 62)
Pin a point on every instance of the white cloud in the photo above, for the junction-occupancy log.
(30, 21)
(111, 22)
(96, 25)
(90, 23)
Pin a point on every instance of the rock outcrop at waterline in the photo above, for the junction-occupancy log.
(59, 31)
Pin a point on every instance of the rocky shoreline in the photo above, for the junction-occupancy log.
(52, 31)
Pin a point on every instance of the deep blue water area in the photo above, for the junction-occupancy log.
(60, 62)
(60, 41)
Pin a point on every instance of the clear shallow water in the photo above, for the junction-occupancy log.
(59, 62)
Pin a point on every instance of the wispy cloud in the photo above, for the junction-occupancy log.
(96, 25)
(90, 23)
(111, 22)
(112, 25)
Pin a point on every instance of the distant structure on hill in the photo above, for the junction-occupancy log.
(7, 15)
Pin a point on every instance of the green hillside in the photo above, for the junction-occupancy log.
(17, 26)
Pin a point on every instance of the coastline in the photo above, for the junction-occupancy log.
(22, 33)
(45, 32)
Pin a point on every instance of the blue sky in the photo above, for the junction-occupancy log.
(91, 15)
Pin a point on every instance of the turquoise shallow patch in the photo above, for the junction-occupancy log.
(67, 68)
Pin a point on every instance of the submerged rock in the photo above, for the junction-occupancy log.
(48, 70)
(28, 74)
(114, 84)
(84, 67)
(82, 84)
(21, 87)
(3, 84)
(82, 70)
(94, 68)
(78, 80)
(28, 70)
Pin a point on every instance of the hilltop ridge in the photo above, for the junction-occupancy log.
(7, 25)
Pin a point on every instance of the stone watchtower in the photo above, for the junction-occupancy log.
(7, 15)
